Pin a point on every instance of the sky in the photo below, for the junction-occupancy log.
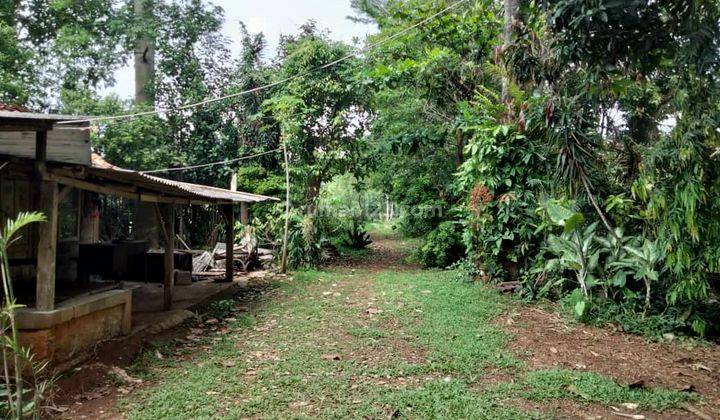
(273, 18)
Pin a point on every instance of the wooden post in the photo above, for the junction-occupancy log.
(47, 246)
(40, 151)
(46, 201)
(168, 223)
(229, 241)
(89, 217)
(244, 214)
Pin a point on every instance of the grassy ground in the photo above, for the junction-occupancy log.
(369, 343)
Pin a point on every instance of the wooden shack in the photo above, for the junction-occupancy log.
(50, 168)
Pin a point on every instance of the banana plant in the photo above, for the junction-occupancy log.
(576, 250)
(613, 247)
(643, 262)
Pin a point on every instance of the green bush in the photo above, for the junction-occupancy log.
(653, 326)
(308, 237)
(220, 309)
(442, 247)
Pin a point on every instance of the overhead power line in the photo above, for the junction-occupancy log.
(205, 165)
(270, 85)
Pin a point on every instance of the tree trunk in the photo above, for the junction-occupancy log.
(512, 17)
(284, 257)
(459, 148)
(312, 194)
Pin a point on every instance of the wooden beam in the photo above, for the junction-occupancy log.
(105, 188)
(244, 214)
(167, 221)
(47, 246)
(24, 125)
(229, 242)
(64, 192)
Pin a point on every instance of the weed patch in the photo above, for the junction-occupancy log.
(591, 387)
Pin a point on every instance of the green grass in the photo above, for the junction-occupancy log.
(427, 350)
(452, 400)
(591, 387)
(453, 320)
(381, 228)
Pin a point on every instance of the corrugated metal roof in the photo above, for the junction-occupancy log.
(37, 116)
(176, 189)
(13, 108)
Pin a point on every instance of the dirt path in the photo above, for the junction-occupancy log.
(375, 337)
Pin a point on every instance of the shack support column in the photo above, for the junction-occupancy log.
(244, 214)
(89, 217)
(47, 246)
(229, 241)
(168, 223)
(46, 201)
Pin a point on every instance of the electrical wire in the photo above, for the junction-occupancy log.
(206, 165)
(270, 85)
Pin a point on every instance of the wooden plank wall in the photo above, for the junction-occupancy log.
(16, 196)
(66, 145)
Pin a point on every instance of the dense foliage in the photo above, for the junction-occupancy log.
(571, 145)
(589, 145)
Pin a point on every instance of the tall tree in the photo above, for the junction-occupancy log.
(322, 112)
(425, 81)
(50, 46)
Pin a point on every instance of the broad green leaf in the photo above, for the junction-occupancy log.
(580, 308)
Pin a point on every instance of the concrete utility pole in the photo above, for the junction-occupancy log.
(144, 58)
(144, 220)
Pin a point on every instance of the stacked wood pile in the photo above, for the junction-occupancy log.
(210, 264)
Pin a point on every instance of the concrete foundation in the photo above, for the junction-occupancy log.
(75, 325)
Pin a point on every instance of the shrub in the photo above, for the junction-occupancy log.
(220, 309)
(356, 236)
(442, 246)
(308, 236)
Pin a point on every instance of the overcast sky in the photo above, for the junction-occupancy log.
(273, 17)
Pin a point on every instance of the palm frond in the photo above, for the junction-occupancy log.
(14, 225)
